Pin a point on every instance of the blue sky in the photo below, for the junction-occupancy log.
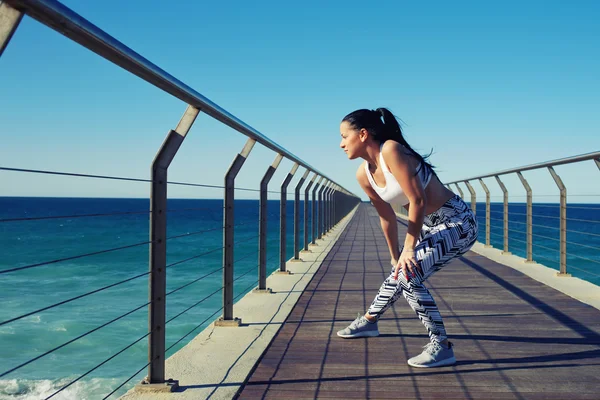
(486, 86)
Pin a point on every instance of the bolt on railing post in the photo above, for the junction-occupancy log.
(563, 222)
(487, 214)
(459, 191)
(529, 218)
(282, 218)
(9, 22)
(228, 235)
(262, 227)
(306, 203)
(473, 197)
(158, 246)
(505, 192)
(314, 218)
(320, 221)
(297, 216)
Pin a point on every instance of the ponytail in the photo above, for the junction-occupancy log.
(388, 129)
(392, 127)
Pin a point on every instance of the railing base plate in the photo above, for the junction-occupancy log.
(166, 387)
(305, 251)
(294, 260)
(284, 273)
(230, 323)
(263, 291)
(561, 275)
(506, 253)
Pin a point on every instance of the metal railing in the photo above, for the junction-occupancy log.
(329, 205)
(529, 214)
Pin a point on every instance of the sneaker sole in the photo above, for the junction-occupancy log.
(360, 334)
(443, 363)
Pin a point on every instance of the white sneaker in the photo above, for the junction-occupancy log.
(360, 327)
(434, 355)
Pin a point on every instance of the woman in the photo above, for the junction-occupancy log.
(440, 227)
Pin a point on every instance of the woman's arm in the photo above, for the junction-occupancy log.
(400, 167)
(387, 216)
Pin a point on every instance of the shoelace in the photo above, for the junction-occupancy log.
(356, 321)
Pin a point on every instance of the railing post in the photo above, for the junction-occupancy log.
(282, 219)
(462, 196)
(262, 227)
(597, 161)
(306, 202)
(332, 221)
(158, 246)
(529, 218)
(9, 22)
(228, 240)
(320, 223)
(343, 203)
(473, 197)
(297, 216)
(314, 218)
(330, 206)
(326, 209)
(505, 251)
(487, 214)
(563, 223)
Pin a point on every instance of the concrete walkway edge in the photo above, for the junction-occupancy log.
(217, 362)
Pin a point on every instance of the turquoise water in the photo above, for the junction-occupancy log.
(583, 235)
(29, 242)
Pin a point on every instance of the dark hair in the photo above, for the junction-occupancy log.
(389, 128)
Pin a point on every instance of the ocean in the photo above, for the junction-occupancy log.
(195, 229)
(583, 234)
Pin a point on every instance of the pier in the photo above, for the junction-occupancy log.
(515, 336)
(524, 324)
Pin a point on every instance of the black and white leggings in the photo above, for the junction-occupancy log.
(447, 233)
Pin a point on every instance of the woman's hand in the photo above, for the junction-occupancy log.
(408, 264)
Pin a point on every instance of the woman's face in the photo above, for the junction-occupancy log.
(351, 140)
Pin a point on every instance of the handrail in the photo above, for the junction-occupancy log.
(567, 160)
(72, 25)
(562, 216)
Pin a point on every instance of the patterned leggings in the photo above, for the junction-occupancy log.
(447, 233)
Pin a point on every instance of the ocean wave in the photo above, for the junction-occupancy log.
(7, 330)
(36, 319)
(59, 328)
(28, 389)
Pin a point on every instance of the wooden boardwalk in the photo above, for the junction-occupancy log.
(514, 337)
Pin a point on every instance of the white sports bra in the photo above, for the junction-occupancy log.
(392, 192)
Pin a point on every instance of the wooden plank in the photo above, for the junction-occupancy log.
(514, 337)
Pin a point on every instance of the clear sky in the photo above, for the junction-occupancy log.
(487, 86)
